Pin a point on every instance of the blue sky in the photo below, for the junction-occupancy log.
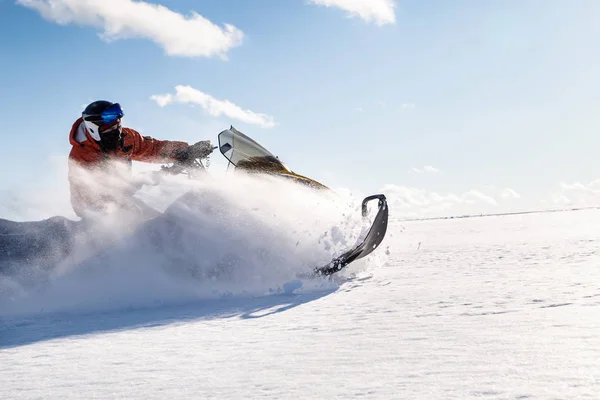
(461, 102)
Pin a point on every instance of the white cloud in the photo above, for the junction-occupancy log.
(427, 168)
(509, 193)
(592, 187)
(162, 99)
(407, 106)
(410, 202)
(178, 35)
(379, 11)
(189, 95)
(475, 196)
(577, 194)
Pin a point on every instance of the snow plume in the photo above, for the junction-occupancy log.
(178, 35)
(379, 11)
(216, 108)
(237, 235)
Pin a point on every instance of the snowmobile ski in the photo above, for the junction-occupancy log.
(370, 242)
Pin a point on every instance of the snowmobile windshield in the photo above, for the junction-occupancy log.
(245, 153)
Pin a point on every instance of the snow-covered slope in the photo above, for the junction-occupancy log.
(494, 307)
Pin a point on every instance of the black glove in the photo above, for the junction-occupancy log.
(198, 150)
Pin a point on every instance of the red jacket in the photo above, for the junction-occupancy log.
(86, 154)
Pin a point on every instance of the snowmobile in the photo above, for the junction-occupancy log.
(247, 155)
(51, 239)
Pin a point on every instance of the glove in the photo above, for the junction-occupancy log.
(198, 150)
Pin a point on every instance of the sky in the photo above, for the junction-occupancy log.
(446, 107)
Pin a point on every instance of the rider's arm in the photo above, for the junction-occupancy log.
(148, 149)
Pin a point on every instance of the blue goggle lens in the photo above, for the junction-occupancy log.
(112, 113)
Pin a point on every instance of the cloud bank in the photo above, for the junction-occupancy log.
(189, 95)
(577, 194)
(380, 12)
(409, 202)
(178, 35)
(427, 168)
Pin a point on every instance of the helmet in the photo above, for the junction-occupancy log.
(103, 121)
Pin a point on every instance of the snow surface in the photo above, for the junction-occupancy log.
(503, 307)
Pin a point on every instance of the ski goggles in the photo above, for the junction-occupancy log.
(111, 114)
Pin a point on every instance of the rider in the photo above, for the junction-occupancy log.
(101, 143)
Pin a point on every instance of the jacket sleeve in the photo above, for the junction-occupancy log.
(148, 149)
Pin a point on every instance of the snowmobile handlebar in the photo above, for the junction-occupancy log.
(192, 167)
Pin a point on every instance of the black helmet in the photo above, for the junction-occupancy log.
(103, 121)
